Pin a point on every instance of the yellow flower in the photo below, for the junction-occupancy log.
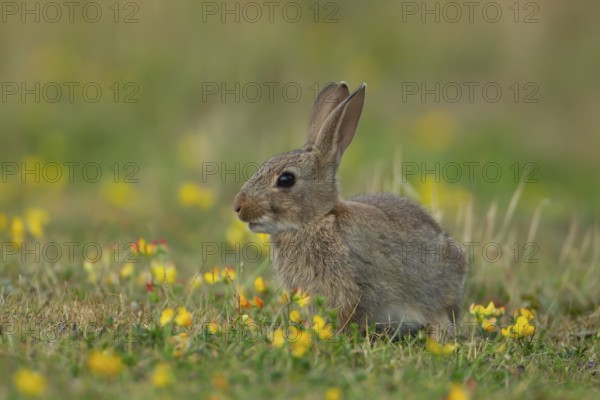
(228, 274)
(164, 272)
(196, 282)
(213, 327)
(300, 342)
(524, 312)
(17, 230)
(36, 219)
(439, 349)
(237, 232)
(500, 348)
(120, 194)
(104, 363)
(489, 325)
(162, 376)
(244, 302)
(333, 393)
(30, 383)
(181, 343)
(480, 312)
(264, 241)
(457, 392)
(126, 270)
(260, 285)
(183, 318)
(220, 382)
(91, 270)
(295, 316)
(301, 298)
(521, 327)
(323, 330)
(278, 338)
(190, 194)
(213, 276)
(166, 316)
(150, 249)
(249, 322)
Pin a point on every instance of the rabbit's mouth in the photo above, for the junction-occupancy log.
(256, 227)
(267, 225)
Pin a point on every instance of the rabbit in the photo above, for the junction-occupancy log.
(378, 259)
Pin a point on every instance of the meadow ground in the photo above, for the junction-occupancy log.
(143, 121)
(135, 324)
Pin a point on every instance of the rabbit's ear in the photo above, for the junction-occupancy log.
(340, 126)
(327, 100)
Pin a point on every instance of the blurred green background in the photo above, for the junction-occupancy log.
(166, 57)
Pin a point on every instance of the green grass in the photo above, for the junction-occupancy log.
(53, 315)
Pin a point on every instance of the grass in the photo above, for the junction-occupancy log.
(55, 317)
(59, 314)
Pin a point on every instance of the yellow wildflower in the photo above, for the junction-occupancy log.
(323, 330)
(486, 316)
(439, 349)
(295, 316)
(17, 231)
(220, 382)
(480, 312)
(30, 383)
(260, 285)
(190, 194)
(300, 342)
(183, 318)
(489, 325)
(301, 298)
(213, 276)
(162, 376)
(36, 219)
(249, 322)
(126, 270)
(278, 338)
(264, 241)
(104, 363)
(244, 302)
(237, 232)
(524, 312)
(196, 282)
(500, 348)
(521, 327)
(166, 316)
(164, 272)
(181, 343)
(120, 194)
(91, 270)
(228, 274)
(333, 393)
(457, 392)
(213, 327)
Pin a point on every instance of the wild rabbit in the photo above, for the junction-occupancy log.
(377, 258)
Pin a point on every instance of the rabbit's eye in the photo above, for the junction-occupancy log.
(287, 179)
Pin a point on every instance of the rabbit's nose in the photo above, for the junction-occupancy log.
(238, 202)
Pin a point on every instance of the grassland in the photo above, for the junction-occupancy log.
(83, 316)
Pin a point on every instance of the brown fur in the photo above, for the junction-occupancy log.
(377, 258)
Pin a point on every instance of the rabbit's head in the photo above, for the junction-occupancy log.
(295, 188)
